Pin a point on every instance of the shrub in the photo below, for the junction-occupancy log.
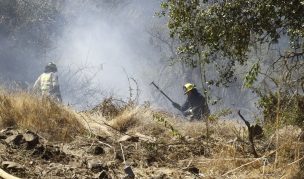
(291, 109)
(52, 120)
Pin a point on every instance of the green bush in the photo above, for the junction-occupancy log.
(291, 109)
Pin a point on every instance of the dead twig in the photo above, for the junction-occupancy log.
(227, 159)
(296, 161)
(123, 155)
(108, 145)
(247, 164)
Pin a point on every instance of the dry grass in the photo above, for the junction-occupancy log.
(226, 155)
(141, 120)
(51, 120)
(108, 108)
(126, 120)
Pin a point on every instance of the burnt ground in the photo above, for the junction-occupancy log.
(25, 154)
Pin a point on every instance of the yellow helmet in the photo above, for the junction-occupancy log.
(188, 87)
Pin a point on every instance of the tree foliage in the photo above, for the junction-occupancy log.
(231, 29)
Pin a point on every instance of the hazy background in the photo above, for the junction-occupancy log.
(97, 45)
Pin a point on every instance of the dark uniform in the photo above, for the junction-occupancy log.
(195, 106)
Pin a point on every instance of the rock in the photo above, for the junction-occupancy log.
(128, 138)
(128, 170)
(12, 165)
(75, 164)
(2, 136)
(189, 139)
(31, 139)
(9, 130)
(101, 175)
(29, 136)
(93, 163)
(96, 165)
(145, 137)
(39, 150)
(16, 139)
(96, 150)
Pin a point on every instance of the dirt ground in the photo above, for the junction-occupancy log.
(27, 155)
(142, 143)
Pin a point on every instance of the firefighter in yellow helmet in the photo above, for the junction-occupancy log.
(195, 106)
(47, 84)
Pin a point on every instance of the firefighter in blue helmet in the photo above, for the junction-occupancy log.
(196, 106)
(47, 84)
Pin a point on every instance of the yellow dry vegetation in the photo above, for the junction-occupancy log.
(226, 154)
(51, 120)
(173, 143)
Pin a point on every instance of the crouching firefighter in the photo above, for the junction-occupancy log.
(47, 84)
(196, 106)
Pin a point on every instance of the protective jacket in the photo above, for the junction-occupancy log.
(195, 106)
(47, 85)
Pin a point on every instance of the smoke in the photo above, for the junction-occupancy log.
(105, 46)
(97, 46)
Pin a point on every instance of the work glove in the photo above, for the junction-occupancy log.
(188, 112)
(177, 106)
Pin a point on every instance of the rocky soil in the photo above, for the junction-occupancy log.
(25, 154)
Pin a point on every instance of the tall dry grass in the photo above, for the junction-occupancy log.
(51, 120)
(227, 154)
(141, 120)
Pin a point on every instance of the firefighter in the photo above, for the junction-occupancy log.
(196, 106)
(47, 84)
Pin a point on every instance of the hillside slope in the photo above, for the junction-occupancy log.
(41, 139)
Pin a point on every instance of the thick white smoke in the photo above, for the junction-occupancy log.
(96, 45)
(101, 46)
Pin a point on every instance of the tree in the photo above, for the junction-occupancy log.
(230, 30)
(27, 31)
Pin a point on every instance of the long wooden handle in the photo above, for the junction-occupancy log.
(162, 92)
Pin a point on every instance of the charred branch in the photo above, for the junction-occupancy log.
(253, 131)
